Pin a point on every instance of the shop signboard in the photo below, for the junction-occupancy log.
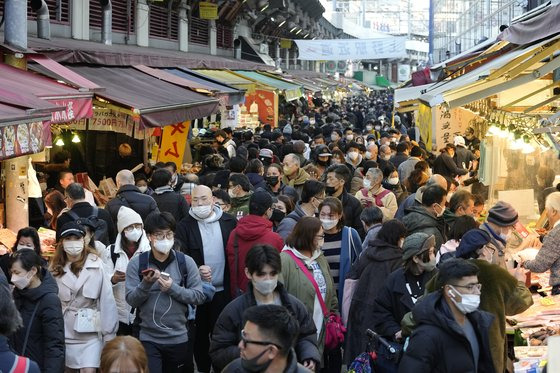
(450, 123)
(76, 109)
(341, 67)
(173, 143)
(267, 102)
(424, 124)
(403, 72)
(21, 139)
(106, 120)
(208, 10)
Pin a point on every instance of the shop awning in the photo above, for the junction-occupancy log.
(291, 91)
(382, 81)
(14, 115)
(410, 93)
(61, 72)
(75, 103)
(230, 95)
(250, 50)
(153, 102)
(229, 78)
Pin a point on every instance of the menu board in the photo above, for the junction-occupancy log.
(21, 139)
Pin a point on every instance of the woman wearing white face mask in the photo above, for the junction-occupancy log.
(391, 182)
(36, 297)
(262, 267)
(27, 238)
(131, 241)
(342, 244)
(88, 305)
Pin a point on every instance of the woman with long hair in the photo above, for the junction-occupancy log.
(88, 305)
(55, 204)
(36, 297)
(305, 274)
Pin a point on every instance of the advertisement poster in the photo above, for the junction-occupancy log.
(268, 106)
(173, 143)
(21, 139)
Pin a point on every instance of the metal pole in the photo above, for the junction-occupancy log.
(431, 33)
(15, 32)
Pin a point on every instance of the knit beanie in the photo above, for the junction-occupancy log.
(472, 241)
(417, 243)
(503, 214)
(126, 217)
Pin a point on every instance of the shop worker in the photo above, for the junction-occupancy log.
(499, 225)
(239, 190)
(177, 180)
(130, 196)
(451, 335)
(267, 342)
(161, 284)
(203, 234)
(336, 178)
(549, 255)
(294, 175)
(79, 208)
(66, 178)
(464, 158)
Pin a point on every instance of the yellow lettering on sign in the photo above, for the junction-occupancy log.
(173, 143)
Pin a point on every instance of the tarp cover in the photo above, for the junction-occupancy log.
(535, 28)
(291, 91)
(159, 103)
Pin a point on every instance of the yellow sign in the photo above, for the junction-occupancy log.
(424, 124)
(285, 43)
(208, 10)
(173, 143)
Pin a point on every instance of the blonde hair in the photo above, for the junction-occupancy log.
(121, 348)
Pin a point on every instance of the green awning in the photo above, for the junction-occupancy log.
(382, 81)
(291, 91)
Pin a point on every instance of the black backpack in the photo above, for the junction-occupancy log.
(101, 230)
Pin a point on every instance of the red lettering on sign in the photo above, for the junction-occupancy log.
(177, 128)
(173, 152)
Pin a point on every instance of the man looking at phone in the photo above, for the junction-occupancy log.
(161, 284)
(452, 333)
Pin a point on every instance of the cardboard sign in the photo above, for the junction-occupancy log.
(173, 143)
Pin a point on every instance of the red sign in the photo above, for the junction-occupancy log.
(76, 108)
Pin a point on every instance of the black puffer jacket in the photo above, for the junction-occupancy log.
(227, 331)
(439, 345)
(131, 196)
(45, 344)
(418, 219)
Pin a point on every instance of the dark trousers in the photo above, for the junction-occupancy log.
(167, 358)
(124, 329)
(332, 361)
(206, 317)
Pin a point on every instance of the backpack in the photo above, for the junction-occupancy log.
(21, 365)
(101, 230)
(114, 255)
(378, 197)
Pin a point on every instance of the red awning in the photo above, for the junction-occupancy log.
(62, 71)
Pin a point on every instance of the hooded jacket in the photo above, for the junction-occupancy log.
(256, 180)
(418, 219)
(169, 201)
(240, 206)
(250, 230)
(191, 229)
(372, 269)
(439, 345)
(45, 344)
(225, 338)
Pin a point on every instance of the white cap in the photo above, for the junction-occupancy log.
(459, 140)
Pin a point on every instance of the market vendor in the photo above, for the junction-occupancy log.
(548, 256)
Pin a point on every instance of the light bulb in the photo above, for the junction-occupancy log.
(59, 142)
(76, 138)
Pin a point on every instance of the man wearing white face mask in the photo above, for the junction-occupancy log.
(373, 194)
(131, 241)
(499, 225)
(262, 267)
(452, 333)
(161, 284)
(354, 158)
(203, 235)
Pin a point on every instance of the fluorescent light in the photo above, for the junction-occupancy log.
(282, 23)
(297, 33)
(264, 8)
(293, 28)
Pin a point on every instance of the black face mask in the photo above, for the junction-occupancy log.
(330, 190)
(272, 180)
(277, 215)
(252, 365)
(323, 163)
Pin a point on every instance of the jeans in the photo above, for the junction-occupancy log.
(167, 358)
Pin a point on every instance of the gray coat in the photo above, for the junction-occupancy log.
(287, 224)
(548, 257)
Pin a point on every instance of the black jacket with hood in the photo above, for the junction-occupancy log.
(418, 219)
(45, 344)
(131, 196)
(227, 331)
(439, 345)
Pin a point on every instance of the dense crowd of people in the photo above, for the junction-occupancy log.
(278, 256)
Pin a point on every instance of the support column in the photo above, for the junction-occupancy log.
(80, 19)
(142, 23)
(213, 38)
(287, 59)
(183, 27)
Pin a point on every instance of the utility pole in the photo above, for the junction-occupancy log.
(15, 170)
(431, 34)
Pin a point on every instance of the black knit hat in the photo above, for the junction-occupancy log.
(503, 214)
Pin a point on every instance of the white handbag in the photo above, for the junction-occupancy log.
(87, 321)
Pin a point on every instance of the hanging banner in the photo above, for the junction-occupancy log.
(106, 120)
(76, 109)
(451, 123)
(173, 143)
(208, 10)
(21, 139)
(424, 124)
(351, 49)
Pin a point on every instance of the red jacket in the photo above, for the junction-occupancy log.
(250, 230)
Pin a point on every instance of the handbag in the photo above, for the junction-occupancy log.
(334, 330)
(87, 320)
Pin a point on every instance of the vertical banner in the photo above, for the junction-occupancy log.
(173, 143)
(424, 124)
(450, 123)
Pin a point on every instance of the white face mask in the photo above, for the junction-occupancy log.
(143, 189)
(231, 193)
(428, 267)
(202, 211)
(449, 195)
(469, 302)
(21, 281)
(368, 155)
(73, 248)
(329, 224)
(133, 235)
(20, 246)
(265, 287)
(353, 155)
(334, 137)
(349, 137)
(163, 246)
(367, 183)
(369, 128)
(393, 180)
(386, 157)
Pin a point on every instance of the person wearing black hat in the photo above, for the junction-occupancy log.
(499, 225)
(502, 294)
(321, 158)
(85, 292)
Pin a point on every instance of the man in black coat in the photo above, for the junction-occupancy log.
(130, 196)
(452, 334)
(203, 234)
(262, 261)
(76, 200)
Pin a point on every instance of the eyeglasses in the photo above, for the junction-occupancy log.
(161, 235)
(321, 236)
(132, 227)
(469, 287)
(260, 343)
